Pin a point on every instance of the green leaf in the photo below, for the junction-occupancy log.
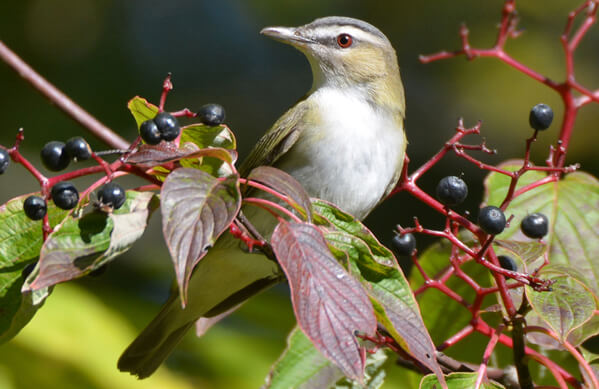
(130, 222)
(196, 209)
(572, 207)
(458, 381)
(344, 222)
(205, 136)
(527, 252)
(141, 110)
(20, 243)
(21, 237)
(593, 361)
(16, 308)
(567, 306)
(88, 239)
(374, 374)
(209, 137)
(302, 366)
(394, 303)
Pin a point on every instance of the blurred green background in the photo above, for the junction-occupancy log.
(103, 52)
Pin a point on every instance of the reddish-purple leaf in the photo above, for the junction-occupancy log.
(196, 209)
(285, 184)
(149, 156)
(329, 304)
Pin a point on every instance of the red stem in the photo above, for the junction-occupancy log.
(265, 204)
(482, 370)
(560, 374)
(571, 349)
(167, 86)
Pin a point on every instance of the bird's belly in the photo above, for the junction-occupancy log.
(351, 165)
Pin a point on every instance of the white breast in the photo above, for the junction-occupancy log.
(351, 155)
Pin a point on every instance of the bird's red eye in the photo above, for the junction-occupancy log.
(344, 40)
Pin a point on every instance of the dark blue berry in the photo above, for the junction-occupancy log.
(492, 220)
(112, 194)
(211, 114)
(78, 149)
(404, 244)
(54, 156)
(452, 190)
(535, 225)
(507, 263)
(65, 195)
(4, 160)
(35, 207)
(541, 116)
(168, 126)
(150, 133)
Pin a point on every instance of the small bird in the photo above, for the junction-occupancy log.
(344, 142)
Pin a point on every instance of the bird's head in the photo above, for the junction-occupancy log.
(345, 52)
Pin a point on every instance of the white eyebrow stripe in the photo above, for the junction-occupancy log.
(334, 31)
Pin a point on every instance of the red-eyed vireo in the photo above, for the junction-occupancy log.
(344, 142)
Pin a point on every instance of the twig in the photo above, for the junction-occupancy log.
(61, 100)
(520, 359)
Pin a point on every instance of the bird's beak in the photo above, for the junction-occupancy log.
(289, 35)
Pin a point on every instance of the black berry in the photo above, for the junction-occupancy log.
(78, 149)
(535, 225)
(35, 207)
(150, 133)
(541, 116)
(112, 194)
(4, 160)
(507, 263)
(452, 190)
(65, 195)
(27, 270)
(54, 156)
(168, 126)
(492, 220)
(211, 114)
(404, 244)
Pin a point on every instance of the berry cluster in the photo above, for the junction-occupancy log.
(452, 191)
(65, 196)
(57, 155)
(164, 126)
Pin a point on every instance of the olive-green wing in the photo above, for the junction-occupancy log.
(398, 164)
(278, 140)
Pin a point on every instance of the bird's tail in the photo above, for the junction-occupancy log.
(222, 280)
(155, 343)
